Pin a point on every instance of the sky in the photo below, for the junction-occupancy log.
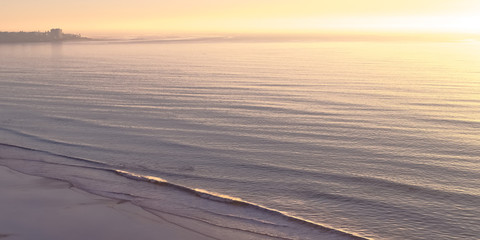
(241, 16)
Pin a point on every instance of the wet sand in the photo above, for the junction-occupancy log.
(40, 208)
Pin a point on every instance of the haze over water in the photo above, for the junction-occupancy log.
(376, 139)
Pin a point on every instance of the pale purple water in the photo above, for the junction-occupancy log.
(380, 140)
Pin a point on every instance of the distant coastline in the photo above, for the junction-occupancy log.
(54, 35)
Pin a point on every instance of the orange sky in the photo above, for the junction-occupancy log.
(245, 16)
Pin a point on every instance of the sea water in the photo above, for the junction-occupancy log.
(257, 140)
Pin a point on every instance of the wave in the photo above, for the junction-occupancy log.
(5, 155)
(51, 141)
(222, 198)
(200, 210)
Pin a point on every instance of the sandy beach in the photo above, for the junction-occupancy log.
(44, 209)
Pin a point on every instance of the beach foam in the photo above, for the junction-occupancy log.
(206, 213)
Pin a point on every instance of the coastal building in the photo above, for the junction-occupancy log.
(56, 33)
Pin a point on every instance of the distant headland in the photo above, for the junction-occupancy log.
(54, 35)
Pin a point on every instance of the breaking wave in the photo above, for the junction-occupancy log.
(211, 214)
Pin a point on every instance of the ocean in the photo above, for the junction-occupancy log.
(257, 140)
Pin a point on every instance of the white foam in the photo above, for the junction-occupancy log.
(203, 211)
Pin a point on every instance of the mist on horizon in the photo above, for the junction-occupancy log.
(108, 18)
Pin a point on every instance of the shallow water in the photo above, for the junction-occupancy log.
(379, 140)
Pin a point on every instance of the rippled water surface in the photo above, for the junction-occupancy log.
(379, 140)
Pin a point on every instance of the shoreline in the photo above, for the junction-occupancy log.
(204, 216)
(34, 207)
(53, 42)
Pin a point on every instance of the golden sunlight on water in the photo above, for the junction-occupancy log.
(375, 138)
